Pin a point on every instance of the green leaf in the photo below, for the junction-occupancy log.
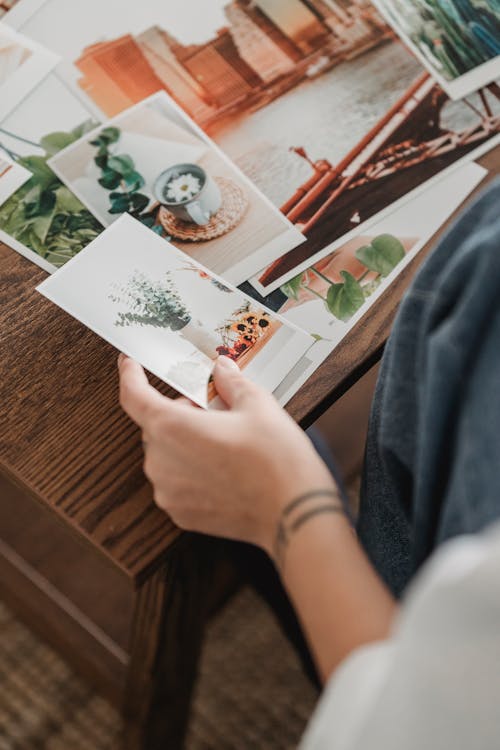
(42, 174)
(41, 225)
(120, 205)
(110, 134)
(344, 299)
(101, 160)
(133, 180)
(58, 257)
(292, 288)
(54, 142)
(43, 204)
(382, 255)
(123, 164)
(110, 179)
(66, 201)
(139, 201)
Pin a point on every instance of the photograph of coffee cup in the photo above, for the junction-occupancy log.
(152, 162)
(188, 192)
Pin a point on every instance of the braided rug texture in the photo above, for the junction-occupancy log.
(251, 692)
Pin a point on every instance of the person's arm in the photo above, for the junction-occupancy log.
(251, 474)
(340, 600)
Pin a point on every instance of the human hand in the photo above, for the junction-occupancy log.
(225, 473)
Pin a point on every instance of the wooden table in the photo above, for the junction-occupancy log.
(85, 557)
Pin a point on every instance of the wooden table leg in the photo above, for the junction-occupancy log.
(169, 620)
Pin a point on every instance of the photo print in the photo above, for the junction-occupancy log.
(155, 164)
(154, 303)
(6, 6)
(23, 65)
(329, 298)
(457, 41)
(12, 176)
(43, 220)
(319, 104)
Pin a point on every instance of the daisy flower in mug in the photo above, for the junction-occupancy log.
(183, 187)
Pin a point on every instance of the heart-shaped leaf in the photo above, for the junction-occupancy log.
(54, 142)
(344, 299)
(110, 179)
(133, 180)
(120, 205)
(139, 202)
(382, 255)
(122, 164)
(109, 134)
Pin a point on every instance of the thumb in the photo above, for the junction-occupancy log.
(231, 386)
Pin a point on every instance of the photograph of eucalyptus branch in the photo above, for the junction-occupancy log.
(156, 304)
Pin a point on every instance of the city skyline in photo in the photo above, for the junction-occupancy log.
(263, 48)
(189, 21)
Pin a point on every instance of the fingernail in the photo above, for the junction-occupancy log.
(121, 359)
(227, 362)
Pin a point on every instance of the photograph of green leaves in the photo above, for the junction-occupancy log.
(457, 40)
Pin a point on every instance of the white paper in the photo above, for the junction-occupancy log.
(405, 14)
(98, 287)
(23, 64)
(414, 223)
(327, 105)
(262, 232)
(12, 176)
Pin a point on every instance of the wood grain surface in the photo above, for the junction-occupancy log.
(64, 438)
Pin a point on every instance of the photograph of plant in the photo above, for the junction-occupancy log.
(154, 164)
(159, 304)
(375, 260)
(328, 297)
(120, 176)
(454, 37)
(319, 104)
(44, 214)
(150, 300)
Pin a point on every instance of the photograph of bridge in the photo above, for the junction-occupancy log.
(422, 135)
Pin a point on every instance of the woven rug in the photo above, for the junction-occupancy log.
(251, 692)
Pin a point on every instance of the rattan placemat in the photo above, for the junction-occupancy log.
(229, 215)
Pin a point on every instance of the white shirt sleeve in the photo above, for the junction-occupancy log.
(435, 684)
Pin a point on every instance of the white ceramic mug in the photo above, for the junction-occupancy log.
(198, 208)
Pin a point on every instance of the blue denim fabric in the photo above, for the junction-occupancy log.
(432, 466)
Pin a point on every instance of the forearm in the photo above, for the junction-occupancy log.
(234, 473)
(339, 598)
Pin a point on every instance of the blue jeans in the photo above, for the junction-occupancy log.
(432, 464)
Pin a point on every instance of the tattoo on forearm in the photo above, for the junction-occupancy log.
(293, 517)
